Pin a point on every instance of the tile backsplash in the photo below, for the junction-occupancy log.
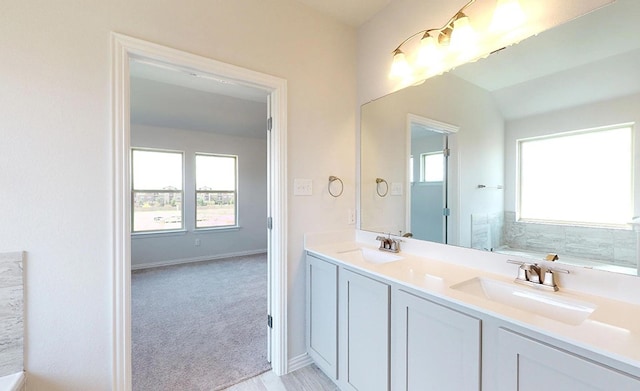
(11, 313)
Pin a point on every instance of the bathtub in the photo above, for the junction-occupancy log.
(14, 382)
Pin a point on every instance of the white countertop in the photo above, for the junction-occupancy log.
(612, 330)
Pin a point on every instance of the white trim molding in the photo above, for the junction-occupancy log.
(300, 361)
(124, 49)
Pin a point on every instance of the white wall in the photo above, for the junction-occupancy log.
(56, 152)
(251, 237)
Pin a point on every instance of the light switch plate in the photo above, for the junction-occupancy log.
(302, 187)
(396, 189)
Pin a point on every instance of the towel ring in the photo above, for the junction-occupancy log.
(386, 189)
(333, 179)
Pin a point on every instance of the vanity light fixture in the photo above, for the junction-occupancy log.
(457, 39)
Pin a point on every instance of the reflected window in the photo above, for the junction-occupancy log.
(432, 167)
(583, 177)
(156, 186)
(216, 195)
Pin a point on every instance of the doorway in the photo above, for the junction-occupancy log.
(428, 203)
(124, 50)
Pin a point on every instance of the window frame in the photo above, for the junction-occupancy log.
(134, 191)
(423, 166)
(234, 192)
(591, 224)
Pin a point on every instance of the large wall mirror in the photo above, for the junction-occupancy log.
(530, 151)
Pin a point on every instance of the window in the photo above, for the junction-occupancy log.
(582, 177)
(156, 184)
(432, 166)
(216, 195)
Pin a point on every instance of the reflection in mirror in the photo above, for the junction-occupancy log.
(427, 205)
(557, 86)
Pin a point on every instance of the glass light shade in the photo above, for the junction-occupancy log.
(400, 67)
(463, 36)
(507, 16)
(429, 54)
(463, 39)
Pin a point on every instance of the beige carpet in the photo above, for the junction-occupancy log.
(199, 326)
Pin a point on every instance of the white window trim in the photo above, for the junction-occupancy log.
(181, 191)
(236, 193)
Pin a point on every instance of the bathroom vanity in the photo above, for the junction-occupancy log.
(410, 321)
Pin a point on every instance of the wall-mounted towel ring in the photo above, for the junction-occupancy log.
(333, 179)
(386, 187)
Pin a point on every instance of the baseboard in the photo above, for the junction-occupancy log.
(147, 265)
(298, 362)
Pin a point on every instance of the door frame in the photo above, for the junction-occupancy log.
(123, 48)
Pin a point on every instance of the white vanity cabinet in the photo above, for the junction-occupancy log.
(364, 314)
(322, 314)
(526, 364)
(434, 347)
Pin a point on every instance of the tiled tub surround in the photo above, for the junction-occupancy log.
(11, 317)
(487, 230)
(608, 246)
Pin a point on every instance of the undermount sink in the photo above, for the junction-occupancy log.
(369, 255)
(545, 304)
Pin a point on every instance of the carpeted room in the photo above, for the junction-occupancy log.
(198, 247)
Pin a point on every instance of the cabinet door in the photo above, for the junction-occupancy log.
(435, 347)
(364, 333)
(322, 314)
(529, 365)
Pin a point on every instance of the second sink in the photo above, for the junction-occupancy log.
(369, 255)
(549, 305)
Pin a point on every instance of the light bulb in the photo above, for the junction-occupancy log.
(429, 54)
(400, 67)
(507, 16)
(463, 38)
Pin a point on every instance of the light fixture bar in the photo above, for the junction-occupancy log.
(453, 43)
(442, 30)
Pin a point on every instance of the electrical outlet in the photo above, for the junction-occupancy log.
(197, 243)
(351, 216)
(302, 187)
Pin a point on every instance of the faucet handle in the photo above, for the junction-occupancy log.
(549, 277)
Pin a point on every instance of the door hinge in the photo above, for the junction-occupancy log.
(270, 123)
(446, 152)
(269, 222)
(446, 212)
(270, 321)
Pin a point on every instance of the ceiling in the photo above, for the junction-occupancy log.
(171, 97)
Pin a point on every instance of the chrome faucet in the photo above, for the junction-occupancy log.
(389, 244)
(531, 274)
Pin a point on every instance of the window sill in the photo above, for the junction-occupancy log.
(157, 234)
(216, 229)
(621, 227)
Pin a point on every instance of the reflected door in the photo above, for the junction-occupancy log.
(429, 161)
